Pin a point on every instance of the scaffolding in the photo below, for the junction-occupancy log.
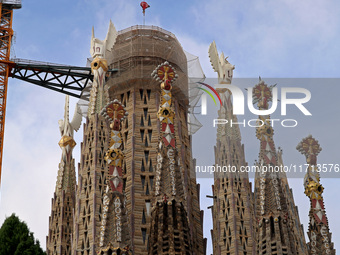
(136, 53)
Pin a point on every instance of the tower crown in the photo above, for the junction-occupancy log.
(221, 65)
(100, 47)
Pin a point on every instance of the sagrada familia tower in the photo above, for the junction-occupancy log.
(136, 191)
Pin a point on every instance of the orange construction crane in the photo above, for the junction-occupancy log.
(6, 34)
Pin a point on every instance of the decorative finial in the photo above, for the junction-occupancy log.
(262, 94)
(310, 148)
(220, 65)
(165, 73)
(99, 47)
(114, 112)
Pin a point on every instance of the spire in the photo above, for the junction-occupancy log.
(61, 219)
(169, 213)
(99, 95)
(92, 173)
(233, 216)
(278, 227)
(167, 153)
(114, 232)
(318, 230)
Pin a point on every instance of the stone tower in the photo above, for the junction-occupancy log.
(117, 196)
(61, 220)
(278, 228)
(233, 215)
(320, 241)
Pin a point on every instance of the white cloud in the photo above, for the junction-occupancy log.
(273, 38)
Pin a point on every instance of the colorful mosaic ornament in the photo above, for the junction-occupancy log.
(114, 112)
(166, 97)
(166, 115)
(264, 129)
(114, 157)
(166, 74)
(262, 94)
(310, 148)
(163, 73)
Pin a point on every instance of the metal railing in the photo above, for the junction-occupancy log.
(34, 62)
(137, 27)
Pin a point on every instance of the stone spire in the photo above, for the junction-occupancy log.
(170, 232)
(99, 95)
(61, 219)
(233, 216)
(278, 228)
(318, 230)
(114, 232)
(92, 189)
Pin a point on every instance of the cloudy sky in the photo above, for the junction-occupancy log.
(277, 39)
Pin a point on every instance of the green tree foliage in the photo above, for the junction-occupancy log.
(16, 239)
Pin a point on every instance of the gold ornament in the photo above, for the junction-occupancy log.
(314, 188)
(264, 131)
(165, 113)
(99, 62)
(114, 157)
(67, 140)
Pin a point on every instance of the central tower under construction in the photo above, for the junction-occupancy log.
(127, 199)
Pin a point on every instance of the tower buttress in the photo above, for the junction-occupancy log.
(320, 241)
(233, 215)
(61, 219)
(170, 232)
(114, 232)
(278, 227)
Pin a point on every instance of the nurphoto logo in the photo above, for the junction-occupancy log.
(239, 104)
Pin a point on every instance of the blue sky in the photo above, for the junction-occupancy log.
(282, 38)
